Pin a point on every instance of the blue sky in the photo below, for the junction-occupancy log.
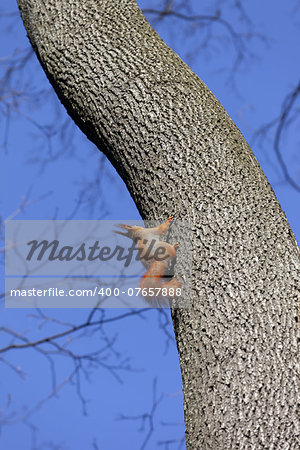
(51, 174)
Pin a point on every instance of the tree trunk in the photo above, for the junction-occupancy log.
(179, 153)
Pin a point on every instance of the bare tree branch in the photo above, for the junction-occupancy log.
(146, 419)
(73, 329)
(285, 116)
(289, 113)
(238, 39)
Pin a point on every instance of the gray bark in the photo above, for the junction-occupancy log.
(179, 153)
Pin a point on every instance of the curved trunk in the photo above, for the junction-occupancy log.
(179, 153)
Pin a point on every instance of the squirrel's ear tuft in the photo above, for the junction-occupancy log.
(124, 227)
(120, 232)
(129, 229)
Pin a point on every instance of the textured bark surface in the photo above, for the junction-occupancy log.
(179, 153)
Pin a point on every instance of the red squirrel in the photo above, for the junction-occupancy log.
(156, 256)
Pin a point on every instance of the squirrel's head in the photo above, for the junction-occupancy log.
(132, 231)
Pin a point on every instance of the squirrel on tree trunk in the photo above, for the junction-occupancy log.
(157, 256)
